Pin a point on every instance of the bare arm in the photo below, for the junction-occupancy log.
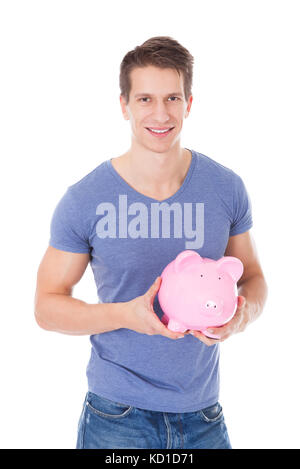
(252, 285)
(56, 309)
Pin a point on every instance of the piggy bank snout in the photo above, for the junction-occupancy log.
(214, 306)
(211, 304)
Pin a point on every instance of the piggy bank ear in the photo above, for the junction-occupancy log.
(232, 265)
(185, 258)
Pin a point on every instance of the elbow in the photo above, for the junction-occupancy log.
(39, 316)
(264, 285)
(266, 289)
(40, 322)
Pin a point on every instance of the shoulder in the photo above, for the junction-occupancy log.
(89, 182)
(220, 180)
(213, 167)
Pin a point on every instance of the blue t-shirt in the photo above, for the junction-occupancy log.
(131, 238)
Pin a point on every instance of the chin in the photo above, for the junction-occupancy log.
(159, 146)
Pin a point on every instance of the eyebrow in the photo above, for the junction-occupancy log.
(148, 94)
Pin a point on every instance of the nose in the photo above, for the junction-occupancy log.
(160, 112)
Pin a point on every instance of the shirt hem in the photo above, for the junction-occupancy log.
(144, 406)
(241, 230)
(63, 247)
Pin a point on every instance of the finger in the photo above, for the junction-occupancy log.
(172, 335)
(163, 330)
(218, 331)
(203, 338)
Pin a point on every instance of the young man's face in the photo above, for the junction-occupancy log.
(156, 102)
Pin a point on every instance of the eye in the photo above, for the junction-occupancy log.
(143, 98)
(219, 278)
(201, 275)
(174, 97)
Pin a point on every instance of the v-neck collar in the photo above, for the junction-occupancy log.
(134, 191)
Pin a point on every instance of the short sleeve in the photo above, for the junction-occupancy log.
(242, 208)
(67, 227)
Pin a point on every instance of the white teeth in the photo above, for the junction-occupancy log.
(159, 131)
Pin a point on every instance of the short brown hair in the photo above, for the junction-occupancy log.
(162, 52)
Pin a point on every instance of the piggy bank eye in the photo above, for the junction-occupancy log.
(219, 278)
(201, 275)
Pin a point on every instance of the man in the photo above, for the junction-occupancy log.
(128, 218)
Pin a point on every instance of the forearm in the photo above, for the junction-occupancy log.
(255, 291)
(68, 315)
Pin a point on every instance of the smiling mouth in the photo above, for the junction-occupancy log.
(160, 133)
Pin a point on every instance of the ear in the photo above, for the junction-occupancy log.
(184, 258)
(232, 265)
(189, 104)
(123, 107)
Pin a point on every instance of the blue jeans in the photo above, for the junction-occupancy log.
(111, 425)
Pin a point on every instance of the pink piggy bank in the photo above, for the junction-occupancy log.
(197, 292)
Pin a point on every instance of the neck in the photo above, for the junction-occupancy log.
(158, 173)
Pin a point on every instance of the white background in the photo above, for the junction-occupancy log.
(61, 117)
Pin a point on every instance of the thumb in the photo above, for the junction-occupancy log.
(241, 301)
(153, 289)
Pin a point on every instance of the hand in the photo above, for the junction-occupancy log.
(140, 316)
(237, 324)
